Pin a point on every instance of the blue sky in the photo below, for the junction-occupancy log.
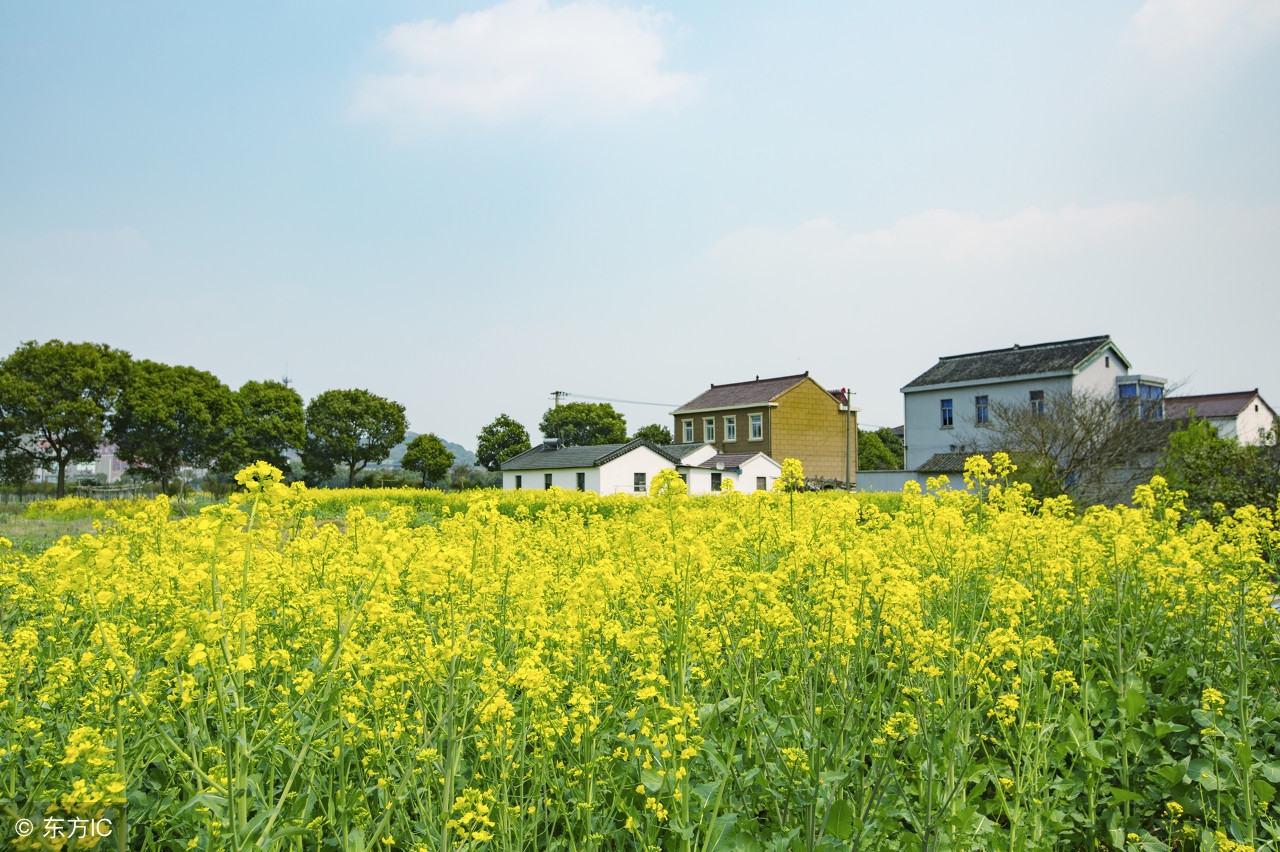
(465, 207)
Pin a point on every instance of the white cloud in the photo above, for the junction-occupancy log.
(1170, 29)
(521, 59)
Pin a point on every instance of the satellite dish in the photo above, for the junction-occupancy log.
(719, 465)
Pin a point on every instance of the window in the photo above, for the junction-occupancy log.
(1107, 361)
(716, 478)
(1037, 401)
(639, 483)
(546, 480)
(709, 429)
(981, 413)
(1143, 398)
(582, 481)
(760, 483)
(688, 432)
(684, 477)
(948, 419)
(518, 478)
(757, 427)
(731, 428)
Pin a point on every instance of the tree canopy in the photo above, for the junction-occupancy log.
(168, 418)
(654, 434)
(584, 424)
(427, 454)
(55, 398)
(273, 423)
(501, 440)
(352, 428)
(1217, 470)
(879, 450)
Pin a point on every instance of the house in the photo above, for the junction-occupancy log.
(783, 417)
(1243, 415)
(944, 404)
(629, 468)
(747, 471)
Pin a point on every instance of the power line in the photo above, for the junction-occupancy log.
(621, 401)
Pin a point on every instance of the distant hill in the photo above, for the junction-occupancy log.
(461, 455)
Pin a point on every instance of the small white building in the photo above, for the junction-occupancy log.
(946, 404)
(1243, 415)
(747, 471)
(629, 468)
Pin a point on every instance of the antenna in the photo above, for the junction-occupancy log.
(286, 381)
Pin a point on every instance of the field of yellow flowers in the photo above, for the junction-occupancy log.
(547, 670)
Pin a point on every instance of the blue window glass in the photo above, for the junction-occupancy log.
(1037, 401)
(946, 413)
(981, 413)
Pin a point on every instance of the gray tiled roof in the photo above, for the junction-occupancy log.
(681, 451)
(731, 461)
(755, 392)
(1059, 357)
(543, 457)
(945, 463)
(1208, 404)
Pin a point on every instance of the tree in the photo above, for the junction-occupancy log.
(654, 434)
(353, 428)
(501, 440)
(427, 454)
(55, 398)
(879, 450)
(1084, 445)
(169, 418)
(584, 424)
(273, 422)
(1213, 469)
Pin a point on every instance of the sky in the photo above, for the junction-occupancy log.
(466, 206)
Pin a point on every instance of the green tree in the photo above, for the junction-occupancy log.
(879, 450)
(1213, 469)
(273, 422)
(427, 454)
(168, 418)
(55, 398)
(501, 440)
(353, 428)
(654, 434)
(584, 424)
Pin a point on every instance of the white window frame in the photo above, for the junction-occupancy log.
(762, 483)
(730, 428)
(640, 482)
(754, 420)
(717, 479)
(546, 481)
(688, 431)
(518, 480)
(709, 430)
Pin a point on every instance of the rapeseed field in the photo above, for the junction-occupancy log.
(548, 670)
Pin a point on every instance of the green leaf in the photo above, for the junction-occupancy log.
(1201, 772)
(651, 780)
(1271, 771)
(1263, 791)
(1120, 796)
(840, 819)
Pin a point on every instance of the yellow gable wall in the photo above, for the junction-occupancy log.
(808, 425)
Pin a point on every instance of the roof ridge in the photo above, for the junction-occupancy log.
(757, 380)
(1019, 348)
(1223, 393)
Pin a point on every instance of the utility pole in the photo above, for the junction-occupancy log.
(848, 439)
(557, 395)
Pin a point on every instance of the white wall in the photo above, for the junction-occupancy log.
(1097, 378)
(566, 478)
(922, 413)
(743, 479)
(1249, 423)
(617, 476)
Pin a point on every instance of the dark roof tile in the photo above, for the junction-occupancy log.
(1208, 404)
(755, 392)
(1059, 357)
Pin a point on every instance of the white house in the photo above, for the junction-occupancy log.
(629, 468)
(747, 471)
(1244, 415)
(944, 404)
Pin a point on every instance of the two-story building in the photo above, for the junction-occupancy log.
(946, 403)
(783, 417)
